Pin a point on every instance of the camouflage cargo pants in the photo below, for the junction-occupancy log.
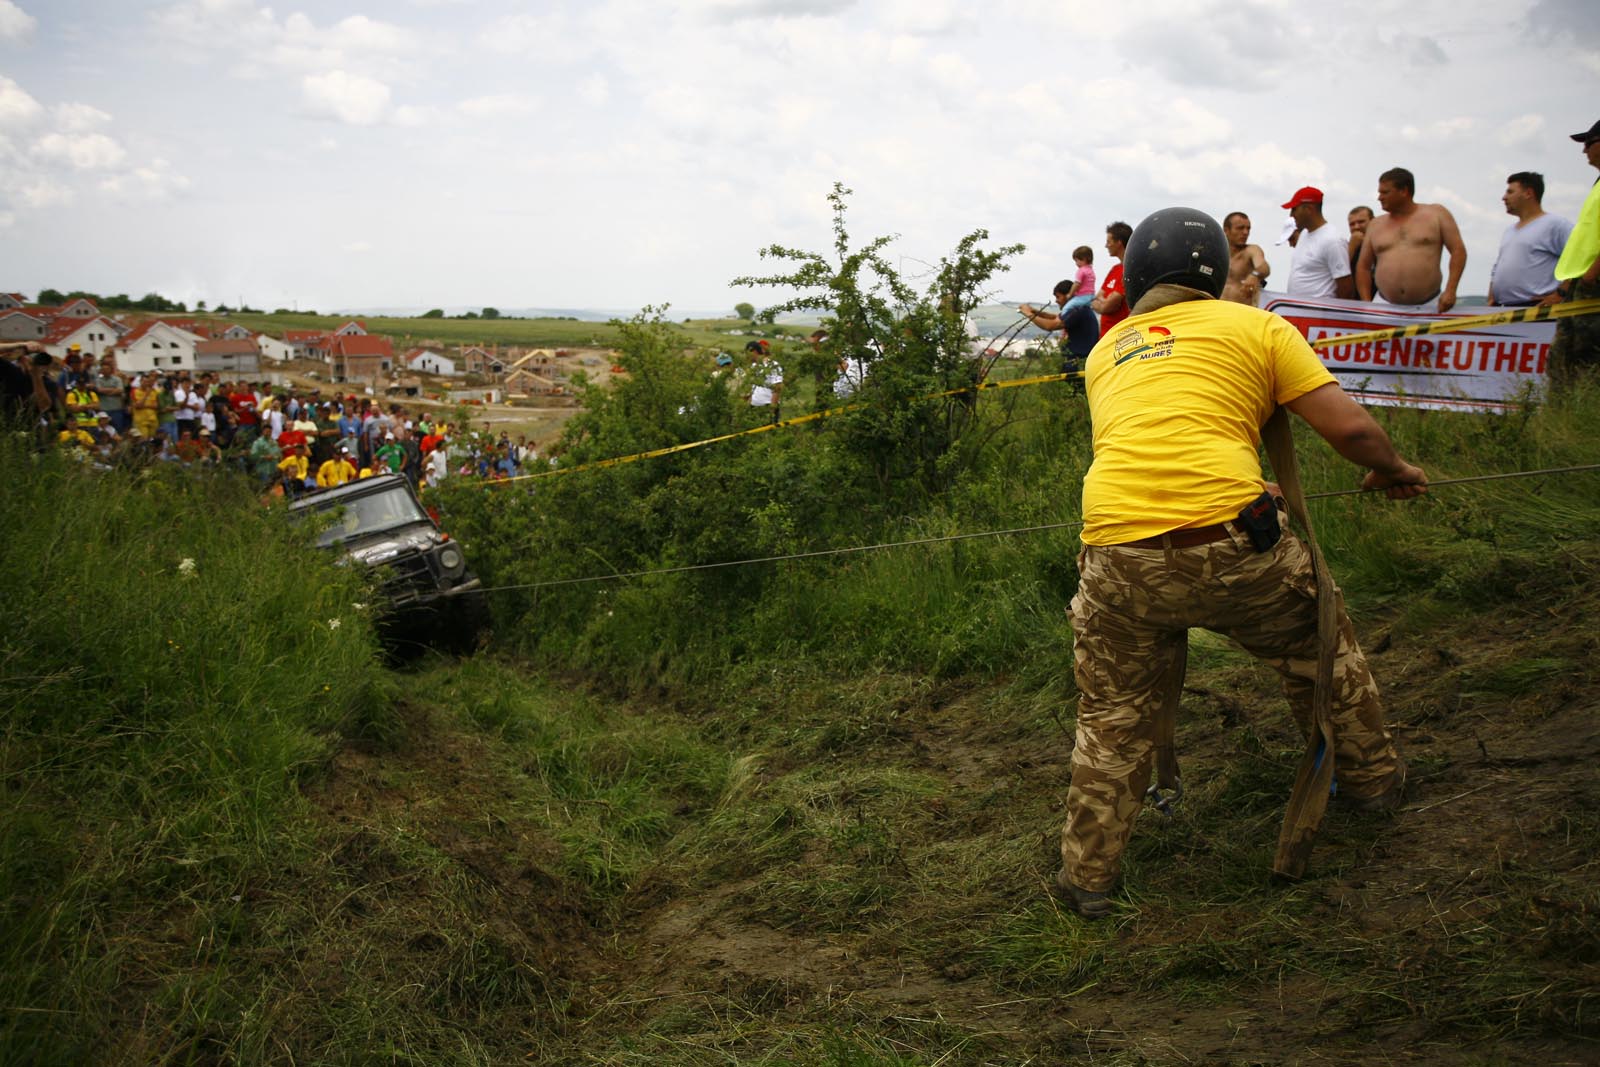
(1130, 616)
(1577, 343)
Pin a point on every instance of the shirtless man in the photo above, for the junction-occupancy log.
(1399, 261)
(1247, 264)
(1358, 219)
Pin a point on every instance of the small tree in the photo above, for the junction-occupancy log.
(914, 346)
(433, 313)
(199, 305)
(491, 313)
(745, 310)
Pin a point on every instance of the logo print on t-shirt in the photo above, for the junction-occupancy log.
(1131, 343)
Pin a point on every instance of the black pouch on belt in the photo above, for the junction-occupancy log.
(1259, 519)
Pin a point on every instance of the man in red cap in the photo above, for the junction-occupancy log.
(1320, 267)
(1577, 345)
(1399, 262)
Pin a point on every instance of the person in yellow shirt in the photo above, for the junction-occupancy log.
(336, 471)
(1577, 345)
(293, 468)
(1181, 530)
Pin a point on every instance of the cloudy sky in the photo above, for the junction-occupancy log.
(615, 153)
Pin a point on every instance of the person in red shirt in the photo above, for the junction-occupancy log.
(243, 403)
(1112, 305)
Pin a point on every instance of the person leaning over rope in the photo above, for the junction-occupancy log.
(1079, 327)
(1577, 343)
(1178, 532)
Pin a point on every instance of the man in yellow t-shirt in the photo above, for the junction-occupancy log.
(293, 468)
(1577, 344)
(1180, 530)
(336, 471)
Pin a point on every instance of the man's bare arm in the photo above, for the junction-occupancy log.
(1451, 234)
(1258, 262)
(1356, 436)
(1042, 319)
(1344, 288)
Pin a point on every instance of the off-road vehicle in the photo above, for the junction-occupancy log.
(379, 523)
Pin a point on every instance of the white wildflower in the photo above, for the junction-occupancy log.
(333, 624)
(186, 568)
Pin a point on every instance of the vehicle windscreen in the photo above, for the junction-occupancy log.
(361, 515)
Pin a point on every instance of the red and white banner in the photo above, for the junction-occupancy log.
(1491, 368)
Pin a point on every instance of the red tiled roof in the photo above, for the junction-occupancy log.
(365, 344)
(8, 312)
(228, 346)
(65, 326)
(303, 335)
(139, 330)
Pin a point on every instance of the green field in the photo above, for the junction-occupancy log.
(531, 333)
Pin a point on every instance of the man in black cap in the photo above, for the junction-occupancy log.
(1577, 345)
(1177, 395)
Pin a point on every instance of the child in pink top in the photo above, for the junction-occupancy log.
(1083, 290)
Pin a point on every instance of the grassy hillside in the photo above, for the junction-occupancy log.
(539, 333)
(799, 812)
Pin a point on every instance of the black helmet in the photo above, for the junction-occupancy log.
(1178, 245)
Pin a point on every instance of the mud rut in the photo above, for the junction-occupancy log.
(1506, 780)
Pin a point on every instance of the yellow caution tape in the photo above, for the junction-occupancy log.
(781, 423)
(1563, 310)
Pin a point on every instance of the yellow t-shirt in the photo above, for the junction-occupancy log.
(335, 472)
(295, 467)
(1178, 397)
(1583, 244)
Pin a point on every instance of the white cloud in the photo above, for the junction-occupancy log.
(594, 90)
(42, 193)
(732, 10)
(350, 98)
(156, 180)
(79, 118)
(411, 116)
(1521, 130)
(85, 151)
(15, 23)
(1441, 131)
(498, 105)
(17, 108)
(543, 36)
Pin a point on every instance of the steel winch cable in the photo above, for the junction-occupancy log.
(974, 535)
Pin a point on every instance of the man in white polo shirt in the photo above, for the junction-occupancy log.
(1321, 265)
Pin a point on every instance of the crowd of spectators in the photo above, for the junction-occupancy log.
(290, 440)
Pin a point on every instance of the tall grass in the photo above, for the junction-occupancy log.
(175, 657)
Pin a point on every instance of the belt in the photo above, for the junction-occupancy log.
(1188, 537)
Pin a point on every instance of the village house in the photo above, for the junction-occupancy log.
(12, 301)
(484, 362)
(427, 361)
(23, 326)
(75, 309)
(301, 341)
(157, 345)
(231, 356)
(359, 357)
(273, 350)
(93, 337)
